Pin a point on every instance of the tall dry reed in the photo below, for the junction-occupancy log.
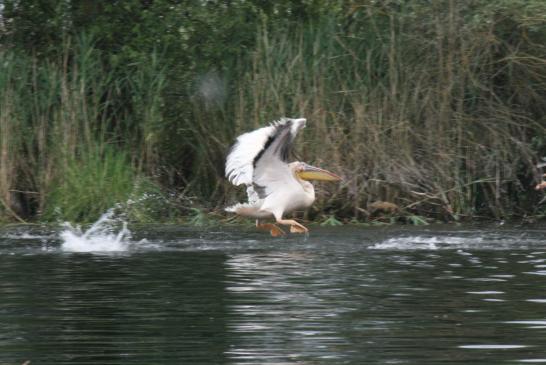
(429, 111)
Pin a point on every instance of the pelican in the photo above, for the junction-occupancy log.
(260, 160)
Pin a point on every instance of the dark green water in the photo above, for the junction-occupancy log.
(343, 296)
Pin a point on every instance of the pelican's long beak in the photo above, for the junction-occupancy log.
(315, 173)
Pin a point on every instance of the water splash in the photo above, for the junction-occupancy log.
(103, 236)
(408, 243)
(466, 240)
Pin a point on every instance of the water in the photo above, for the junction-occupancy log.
(175, 295)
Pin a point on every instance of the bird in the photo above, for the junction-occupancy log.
(260, 160)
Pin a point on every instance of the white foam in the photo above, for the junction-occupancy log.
(26, 236)
(427, 242)
(407, 243)
(100, 237)
(535, 323)
(492, 347)
(458, 242)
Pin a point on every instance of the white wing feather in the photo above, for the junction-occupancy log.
(271, 171)
(240, 160)
(239, 167)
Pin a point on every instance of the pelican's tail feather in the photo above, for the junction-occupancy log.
(233, 208)
(247, 210)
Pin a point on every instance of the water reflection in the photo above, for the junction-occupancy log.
(281, 307)
(84, 309)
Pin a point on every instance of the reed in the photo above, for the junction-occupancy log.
(72, 146)
(437, 110)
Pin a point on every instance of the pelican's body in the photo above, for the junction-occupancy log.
(299, 194)
(259, 160)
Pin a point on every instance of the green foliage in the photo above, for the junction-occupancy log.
(331, 221)
(74, 116)
(417, 220)
(92, 182)
(199, 218)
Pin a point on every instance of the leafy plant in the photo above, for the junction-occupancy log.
(331, 221)
(92, 183)
(417, 220)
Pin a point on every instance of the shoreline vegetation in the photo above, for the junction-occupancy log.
(430, 112)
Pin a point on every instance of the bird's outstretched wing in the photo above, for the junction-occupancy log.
(272, 174)
(262, 153)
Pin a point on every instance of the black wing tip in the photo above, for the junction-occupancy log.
(281, 126)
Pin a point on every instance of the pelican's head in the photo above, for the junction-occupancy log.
(307, 172)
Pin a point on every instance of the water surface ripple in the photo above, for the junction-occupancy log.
(228, 296)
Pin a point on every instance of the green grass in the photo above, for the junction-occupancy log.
(92, 183)
(76, 137)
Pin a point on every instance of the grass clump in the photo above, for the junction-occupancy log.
(76, 136)
(92, 183)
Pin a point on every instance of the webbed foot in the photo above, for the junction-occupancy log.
(298, 229)
(272, 228)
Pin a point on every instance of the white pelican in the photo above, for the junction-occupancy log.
(259, 160)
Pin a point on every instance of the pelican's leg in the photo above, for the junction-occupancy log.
(295, 227)
(275, 231)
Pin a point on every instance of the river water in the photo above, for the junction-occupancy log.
(345, 295)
